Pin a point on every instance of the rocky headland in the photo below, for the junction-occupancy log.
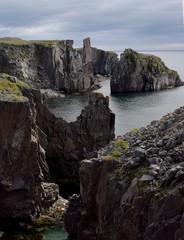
(138, 72)
(134, 189)
(37, 149)
(55, 64)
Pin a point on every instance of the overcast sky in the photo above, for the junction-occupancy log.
(111, 24)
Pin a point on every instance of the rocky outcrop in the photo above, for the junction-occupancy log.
(23, 166)
(103, 61)
(134, 189)
(137, 72)
(55, 65)
(69, 143)
(31, 138)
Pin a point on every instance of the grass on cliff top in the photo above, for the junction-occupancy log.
(18, 41)
(148, 59)
(11, 90)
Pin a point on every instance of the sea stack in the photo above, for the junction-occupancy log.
(137, 72)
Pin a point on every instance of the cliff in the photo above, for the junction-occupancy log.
(55, 64)
(137, 72)
(32, 140)
(24, 173)
(134, 189)
(103, 61)
(47, 64)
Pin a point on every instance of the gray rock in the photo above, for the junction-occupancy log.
(140, 72)
(146, 178)
(12, 79)
(134, 162)
(139, 153)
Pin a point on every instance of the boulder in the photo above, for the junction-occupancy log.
(137, 72)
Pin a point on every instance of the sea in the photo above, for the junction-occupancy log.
(132, 110)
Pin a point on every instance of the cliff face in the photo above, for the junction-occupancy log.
(69, 143)
(23, 167)
(140, 72)
(103, 61)
(55, 65)
(134, 190)
(31, 138)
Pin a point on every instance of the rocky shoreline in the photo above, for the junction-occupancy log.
(37, 149)
(130, 187)
(134, 189)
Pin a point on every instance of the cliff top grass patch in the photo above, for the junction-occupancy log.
(11, 90)
(19, 41)
(146, 59)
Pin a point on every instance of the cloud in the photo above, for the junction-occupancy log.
(111, 24)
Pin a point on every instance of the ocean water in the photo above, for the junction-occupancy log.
(133, 110)
(55, 234)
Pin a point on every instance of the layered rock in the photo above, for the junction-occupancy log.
(134, 190)
(69, 143)
(23, 166)
(103, 61)
(137, 72)
(54, 65)
(31, 137)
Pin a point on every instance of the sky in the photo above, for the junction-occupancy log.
(110, 24)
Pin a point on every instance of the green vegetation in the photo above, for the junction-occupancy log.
(116, 152)
(148, 60)
(134, 130)
(18, 41)
(122, 143)
(12, 89)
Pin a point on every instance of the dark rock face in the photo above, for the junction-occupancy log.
(103, 61)
(31, 137)
(134, 190)
(69, 143)
(23, 167)
(56, 66)
(137, 72)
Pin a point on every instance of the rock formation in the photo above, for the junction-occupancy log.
(23, 166)
(137, 72)
(134, 189)
(69, 143)
(54, 64)
(103, 61)
(31, 137)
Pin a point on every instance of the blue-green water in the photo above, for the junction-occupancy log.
(55, 234)
(133, 110)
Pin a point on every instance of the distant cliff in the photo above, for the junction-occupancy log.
(134, 190)
(137, 72)
(55, 64)
(51, 64)
(103, 61)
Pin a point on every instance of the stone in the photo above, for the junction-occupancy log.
(138, 199)
(12, 79)
(139, 153)
(137, 72)
(134, 162)
(146, 177)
